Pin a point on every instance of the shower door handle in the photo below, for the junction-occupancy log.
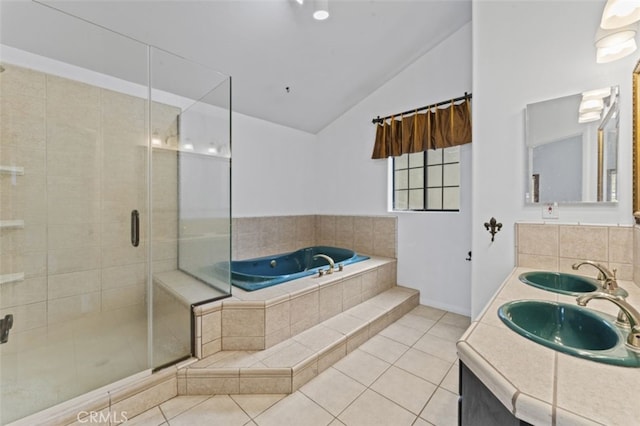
(135, 228)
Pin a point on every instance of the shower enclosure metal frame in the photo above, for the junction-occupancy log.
(115, 270)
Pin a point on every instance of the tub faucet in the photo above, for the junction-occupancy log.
(632, 314)
(607, 277)
(328, 259)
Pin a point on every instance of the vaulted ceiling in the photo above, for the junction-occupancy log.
(269, 45)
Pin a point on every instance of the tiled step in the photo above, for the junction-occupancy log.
(285, 367)
(258, 320)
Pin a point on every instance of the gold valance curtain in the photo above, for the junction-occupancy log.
(437, 128)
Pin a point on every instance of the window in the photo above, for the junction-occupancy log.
(427, 181)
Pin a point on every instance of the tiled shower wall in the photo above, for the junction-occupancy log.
(83, 149)
(264, 236)
(557, 247)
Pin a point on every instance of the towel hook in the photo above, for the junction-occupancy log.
(493, 226)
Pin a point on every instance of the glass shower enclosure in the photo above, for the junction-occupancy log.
(115, 164)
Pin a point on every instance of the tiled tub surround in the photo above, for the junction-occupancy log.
(260, 319)
(556, 247)
(542, 386)
(264, 236)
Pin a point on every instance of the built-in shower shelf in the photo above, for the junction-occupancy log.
(11, 170)
(11, 224)
(11, 278)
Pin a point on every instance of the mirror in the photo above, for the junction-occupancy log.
(636, 143)
(572, 148)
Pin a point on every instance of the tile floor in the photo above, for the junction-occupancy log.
(405, 375)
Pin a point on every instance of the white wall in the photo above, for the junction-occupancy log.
(431, 246)
(273, 169)
(525, 52)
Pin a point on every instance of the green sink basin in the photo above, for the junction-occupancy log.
(570, 329)
(559, 282)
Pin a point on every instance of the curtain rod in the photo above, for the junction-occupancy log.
(460, 98)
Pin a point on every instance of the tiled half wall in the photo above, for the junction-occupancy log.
(557, 247)
(264, 236)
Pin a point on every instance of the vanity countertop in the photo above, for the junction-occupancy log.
(542, 386)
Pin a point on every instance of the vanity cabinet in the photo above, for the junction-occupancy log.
(477, 406)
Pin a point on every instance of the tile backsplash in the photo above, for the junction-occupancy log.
(263, 236)
(557, 247)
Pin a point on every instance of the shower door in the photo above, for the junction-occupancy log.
(97, 271)
(74, 186)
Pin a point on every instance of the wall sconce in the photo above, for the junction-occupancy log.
(602, 93)
(614, 44)
(592, 104)
(587, 117)
(619, 13)
(615, 37)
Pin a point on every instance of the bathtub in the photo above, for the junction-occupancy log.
(254, 274)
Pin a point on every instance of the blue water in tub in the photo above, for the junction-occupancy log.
(261, 272)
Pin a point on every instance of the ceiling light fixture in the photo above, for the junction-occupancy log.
(618, 13)
(321, 11)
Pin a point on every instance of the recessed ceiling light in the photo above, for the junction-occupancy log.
(321, 11)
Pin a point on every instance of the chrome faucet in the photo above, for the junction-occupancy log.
(607, 277)
(328, 259)
(632, 314)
